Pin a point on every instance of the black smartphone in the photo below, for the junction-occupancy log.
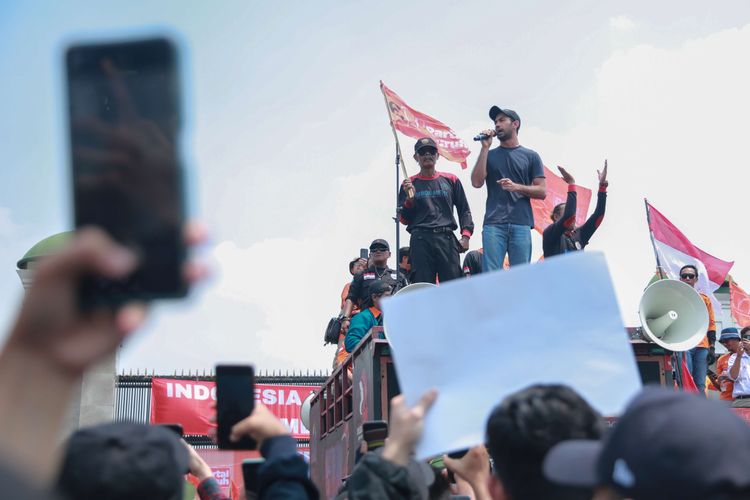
(124, 124)
(176, 428)
(250, 469)
(364, 253)
(374, 433)
(235, 400)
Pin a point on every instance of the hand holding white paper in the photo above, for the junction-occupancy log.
(481, 339)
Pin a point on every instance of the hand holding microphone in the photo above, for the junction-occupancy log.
(485, 137)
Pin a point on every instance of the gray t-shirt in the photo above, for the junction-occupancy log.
(522, 166)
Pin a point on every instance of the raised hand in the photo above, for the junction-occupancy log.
(603, 175)
(566, 175)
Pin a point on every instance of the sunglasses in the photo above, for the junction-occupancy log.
(376, 250)
(687, 276)
(427, 152)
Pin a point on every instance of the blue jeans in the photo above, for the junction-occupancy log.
(697, 363)
(515, 239)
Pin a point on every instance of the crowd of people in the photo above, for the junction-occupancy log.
(429, 202)
(544, 441)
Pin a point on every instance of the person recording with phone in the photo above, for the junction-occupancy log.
(562, 236)
(514, 175)
(428, 216)
(697, 357)
(739, 374)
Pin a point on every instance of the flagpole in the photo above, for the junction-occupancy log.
(399, 161)
(653, 245)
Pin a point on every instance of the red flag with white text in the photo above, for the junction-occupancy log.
(411, 122)
(557, 192)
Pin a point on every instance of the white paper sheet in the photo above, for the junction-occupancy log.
(478, 340)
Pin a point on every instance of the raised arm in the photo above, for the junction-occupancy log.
(479, 174)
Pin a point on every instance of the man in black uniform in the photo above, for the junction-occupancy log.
(359, 291)
(562, 236)
(429, 218)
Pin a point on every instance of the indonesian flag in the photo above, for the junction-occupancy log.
(557, 192)
(411, 122)
(675, 250)
(740, 304)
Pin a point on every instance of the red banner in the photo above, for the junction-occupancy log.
(557, 192)
(411, 122)
(190, 403)
(740, 304)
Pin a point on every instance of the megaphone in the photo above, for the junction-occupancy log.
(304, 412)
(673, 315)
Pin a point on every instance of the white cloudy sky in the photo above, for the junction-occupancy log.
(292, 153)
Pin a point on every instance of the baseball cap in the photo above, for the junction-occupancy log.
(124, 460)
(378, 286)
(667, 445)
(424, 142)
(729, 333)
(495, 110)
(379, 243)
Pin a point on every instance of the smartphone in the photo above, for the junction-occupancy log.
(374, 433)
(124, 123)
(364, 253)
(250, 469)
(235, 400)
(176, 428)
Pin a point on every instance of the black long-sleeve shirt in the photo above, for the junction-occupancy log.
(559, 238)
(433, 202)
(284, 474)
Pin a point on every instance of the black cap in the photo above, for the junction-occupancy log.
(496, 110)
(378, 287)
(424, 142)
(379, 243)
(666, 445)
(124, 460)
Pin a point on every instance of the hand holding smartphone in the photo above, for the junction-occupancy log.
(235, 401)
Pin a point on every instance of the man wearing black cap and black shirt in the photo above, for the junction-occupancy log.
(429, 219)
(514, 174)
(359, 291)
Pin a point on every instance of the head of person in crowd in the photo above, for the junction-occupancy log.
(378, 290)
(357, 265)
(118, 461)
(557, 212)
(404, 262)
(507, 122)
(380, 252)
(745, 333)
(648, 454)
(730, 339)
(426, 153)
(689, 274)
(520, 431)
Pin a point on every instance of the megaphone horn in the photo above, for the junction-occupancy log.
(673, 315)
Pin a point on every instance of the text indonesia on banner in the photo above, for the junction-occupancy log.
(557, 192)
(411, 122)
(675, 250)
(190, 403)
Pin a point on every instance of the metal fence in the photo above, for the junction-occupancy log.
(133, 393)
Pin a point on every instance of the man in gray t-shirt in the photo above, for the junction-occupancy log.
(513, 174)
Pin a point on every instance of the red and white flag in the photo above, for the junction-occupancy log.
(739, 301)
(557, 192)
(411, 122)
(674, 250)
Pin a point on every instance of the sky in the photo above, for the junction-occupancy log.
(291, 155)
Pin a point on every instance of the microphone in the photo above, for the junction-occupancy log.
(481, 137)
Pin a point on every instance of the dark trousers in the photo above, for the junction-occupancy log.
(434, 254)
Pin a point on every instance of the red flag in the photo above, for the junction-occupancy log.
(739, 301)
(688, 384)
(675, 250)
(411, 122)
(557, 192)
